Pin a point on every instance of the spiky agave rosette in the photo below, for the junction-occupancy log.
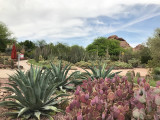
(33, 95)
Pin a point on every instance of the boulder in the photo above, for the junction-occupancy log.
(123, 43)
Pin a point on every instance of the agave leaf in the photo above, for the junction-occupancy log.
(37, 114)
(15, 113)
(8, 88)
(23, 110)
(10, 103)
(54, 99)
(69, 87)
(52, 108)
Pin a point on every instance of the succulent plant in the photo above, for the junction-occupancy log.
(60, 75)
(32, 95)
(100, 72)
(146, 101)
(102, 99)
(115, 99)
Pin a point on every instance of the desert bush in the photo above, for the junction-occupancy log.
(32, 95)
(156, 73)
(121, 65)
(83, 64)
(134, 62)
(115, 99)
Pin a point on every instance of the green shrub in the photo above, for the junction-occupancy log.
(33, 96)
(121, 65)
(83, 64)
(156, 73)
(134, 62)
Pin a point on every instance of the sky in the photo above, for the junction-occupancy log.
(81, 21)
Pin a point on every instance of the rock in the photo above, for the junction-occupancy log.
(138, 47)
(123, 43)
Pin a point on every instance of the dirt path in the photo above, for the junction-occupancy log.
(143, 71)
(4, 73)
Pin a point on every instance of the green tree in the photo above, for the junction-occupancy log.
(41, 43)
(28, 45)
(77, 53)
(5, 37)
(63, 51)
(145, 55)
(154, 46)
(101, 45)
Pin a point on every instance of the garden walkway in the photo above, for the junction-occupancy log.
(4, 73)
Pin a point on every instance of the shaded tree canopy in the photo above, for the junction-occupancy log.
(102, 45)
(153, 44)
(5, 37)
(28, 45)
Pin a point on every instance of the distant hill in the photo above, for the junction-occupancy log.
(138, 47)
(123, 43)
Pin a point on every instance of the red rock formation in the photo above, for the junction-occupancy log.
(138, 47)
(123, 42)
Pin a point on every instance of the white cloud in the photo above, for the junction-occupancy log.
(60, 19)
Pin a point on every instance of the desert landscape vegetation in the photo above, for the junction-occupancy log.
(106, 80)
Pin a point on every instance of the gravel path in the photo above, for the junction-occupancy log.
(4, 73)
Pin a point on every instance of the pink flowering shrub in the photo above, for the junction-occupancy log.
(114, 99)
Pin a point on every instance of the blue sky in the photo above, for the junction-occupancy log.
(81, 21)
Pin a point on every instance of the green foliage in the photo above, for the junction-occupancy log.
(156, 73)
(145, 55)
(138, 74)
(134, 62)
(5, 37)
(12, 64)
(83, 64)
(33, 95)
(153, 44)
(121, 65)
(101, 45)
(128, 54)
(77, 53)
(130, 75)
(60, 75)
(100, 72)
(29, 46)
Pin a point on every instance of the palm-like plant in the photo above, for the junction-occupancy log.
(60, 75)
(33, 95)
(100, 72)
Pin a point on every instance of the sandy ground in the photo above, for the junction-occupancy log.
(4, 73)
(143, 71)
